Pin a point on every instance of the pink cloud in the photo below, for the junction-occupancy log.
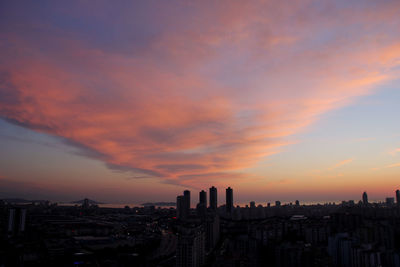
(205, 98)
(341, 163)
(394, 152)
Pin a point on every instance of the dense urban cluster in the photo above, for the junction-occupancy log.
(350, 234)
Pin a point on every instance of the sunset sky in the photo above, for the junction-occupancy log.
(134, 101)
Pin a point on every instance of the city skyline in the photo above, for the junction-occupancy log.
(211, 201)
(230, 204)
(139, 101)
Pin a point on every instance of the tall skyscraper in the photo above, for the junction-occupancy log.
(180, 207)
(229, 200)
(398, 197)
(213, 198)
(186, 196)
(201, 208)
(365, 198)
(203, 198)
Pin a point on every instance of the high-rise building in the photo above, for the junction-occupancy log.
(398, 197)
(16, 221)
(203, 198)
(186, 196)
(213, 198)
(180, 207)
(389, 201)
(212, 231)
(190, 249)
(297, 203)
(229, 200)
(365, 198)
(86, 203)
(237, 214)
(260, 212)
(277, 203)
(252, 210)
(201, 211)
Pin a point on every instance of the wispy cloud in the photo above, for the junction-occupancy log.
(341, 163)
(394, 152)
(393, 165)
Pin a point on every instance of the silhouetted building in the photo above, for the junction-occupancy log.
(213, 198)
(203, 198)
(201, 210)
(339, 248)
(180, 207)
(365, 198)
(212, 231)
(229, 200)
(398, 197)
(297, 203)
(16, 221)
(252, 210)
(277, 203)
(389, 201)
(190, 250)
(260, 212)
(237, 214)
(85, 203)
(186, 196)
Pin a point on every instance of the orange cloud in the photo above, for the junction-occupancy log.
(393, 165)
(206, 96)
(341, 163)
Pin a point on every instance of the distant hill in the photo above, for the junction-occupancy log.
(91, 202)
(161, 204)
